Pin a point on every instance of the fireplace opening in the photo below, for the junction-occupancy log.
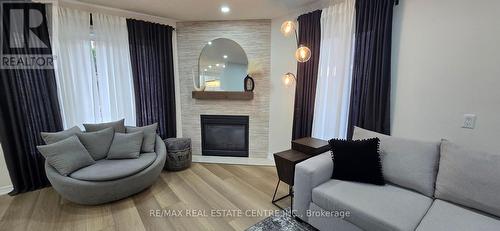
(224, 135)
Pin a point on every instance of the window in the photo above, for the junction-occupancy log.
(93, 69)
(94, 62)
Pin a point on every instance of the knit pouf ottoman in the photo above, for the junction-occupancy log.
(178, 153)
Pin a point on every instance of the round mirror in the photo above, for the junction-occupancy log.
(222, 66)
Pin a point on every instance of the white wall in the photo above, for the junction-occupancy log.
(282, 97)
(445, 64)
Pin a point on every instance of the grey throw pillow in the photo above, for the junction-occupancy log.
(52, 137)
(469, 177)
(408, 163)
(67, 155)
(118, 125)
(148, 142)
(97, 143)
(126, 145)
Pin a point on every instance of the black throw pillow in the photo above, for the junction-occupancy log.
(357, 160)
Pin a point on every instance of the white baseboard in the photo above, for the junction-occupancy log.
(5, 189)
(233, 160)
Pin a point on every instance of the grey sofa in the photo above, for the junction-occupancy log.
(430, 186)
(109, 180)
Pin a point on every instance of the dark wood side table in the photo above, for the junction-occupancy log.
(310, 146)
(302, 149)
(285, 166)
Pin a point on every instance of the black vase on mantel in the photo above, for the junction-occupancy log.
(249, 84)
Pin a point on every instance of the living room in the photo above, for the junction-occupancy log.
(250, 115)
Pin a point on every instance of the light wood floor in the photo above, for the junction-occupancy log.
(203, 188)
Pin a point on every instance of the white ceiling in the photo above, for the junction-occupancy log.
(200, 10)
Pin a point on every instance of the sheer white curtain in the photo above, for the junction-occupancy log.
(114, 71)
(77, 85)
(331, 109)
(93, 90)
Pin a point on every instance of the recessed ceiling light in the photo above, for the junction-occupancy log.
(225, 9)
(223, 66)
(205, 69)
(210, 43)
(217, 64)
(225, 56)
(210, 66)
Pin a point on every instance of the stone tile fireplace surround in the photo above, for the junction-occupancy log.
(254, 36)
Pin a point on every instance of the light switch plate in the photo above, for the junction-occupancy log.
(469, 121)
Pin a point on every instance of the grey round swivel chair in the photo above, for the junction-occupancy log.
(99, 192)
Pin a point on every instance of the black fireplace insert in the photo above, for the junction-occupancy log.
(224, 135)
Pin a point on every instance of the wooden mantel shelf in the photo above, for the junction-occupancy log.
(225, 95)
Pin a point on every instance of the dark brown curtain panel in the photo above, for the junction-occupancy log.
(371, 80)
(309, 35)
(28, 106)
(151, 54)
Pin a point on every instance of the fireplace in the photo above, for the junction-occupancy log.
(224, 135)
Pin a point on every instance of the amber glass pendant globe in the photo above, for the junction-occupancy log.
(288, 79)
(287, 28)
(303, 54)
